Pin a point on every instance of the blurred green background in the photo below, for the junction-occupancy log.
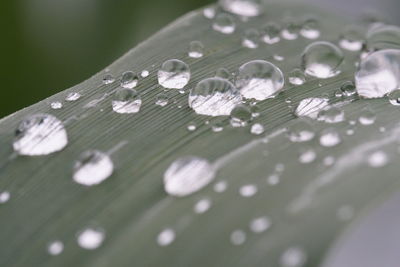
(50, 45)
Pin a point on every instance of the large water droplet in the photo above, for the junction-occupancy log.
(378, 74)
(224, 23)
(90, 238)
(310, 107)
(174, 74)
(259, 79)
(214, 97)
(187, 175)
(92, 168)
(322, 60)
(126, 101)
(129, 80)
(247, 8)
(40, 134)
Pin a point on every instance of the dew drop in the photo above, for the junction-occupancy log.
(394, 97)
(297, 77)
(251, 38)
(192, 127)
(108, 79)
(90, 238)
(367, 117)
(220, 186)
(174, 74)
(73, 96)
(348, 89)
(246, 8)
(260, 224)
(238, 237)
(259, 79)
(310, 29)
(378, 74)
(302, 131)
(330, 138)
(209, 12)
(214, 97)
(331, 115)
(162, 100)
(166, 237)
(126, 101)
(351, 39)
(202, 206)
(307, 156)
(257, 129)
(224, 23)
(196, 49)
(129, 80)
(322, 60)
(310, 107)
(56, 105)
(240, 116)
(4, 197)
(293, 257)
(92, 168)
(378, 159)
(187, 175)
(55, 247)
(144, 73)
(291, 31)
(271, 33)
(248, 190)
(40, 134)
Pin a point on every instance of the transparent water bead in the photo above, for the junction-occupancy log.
(209, 12)
(322, 60)
(378, 74)
(246, 8)
(240, 116)
(92, 168)
(394, 97)
(260, 224)
(257, 129)
(310, 107)
(378, 159)
(55, 247)
(296, 77)
(293, 257)
(162, 100)
(91, 238)
(224, 23)
(187, 175)
(367, 117)
(40, 134)
(348, 89)
(248, 190)
(166, 237)
(202, 206)
(126, 101)
(381, 36)
(144, 73)
(174, 74)
(238, 237)
(214, 97)
(307, 156)
(351, 39)
(56, 105)
(310, 29)
(331, 115)
(291, 30)
(271, 33)
(4, 197)
(108, 79)
(302, 131)
(259, 79)
(129, 79)
(73, 96)
(330, 137)
(196, 49)
(251, 38)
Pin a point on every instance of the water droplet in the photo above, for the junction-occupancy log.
(331, 115)
(145, 73)
(248, 190)
(310, 107)
(202, 206)
(394, 97)
(92, 168)
(381, 36)
(166, 237)
(251, 38)
(322, 60)
(129, 79)
(224, 23)
(378, 74)
(209, 12)
(55, 247)
(238, 237)
(40, 134)
(297, 77)
(302, 131)
(257, 129)
(329, 138)
(293, 257)
(329, 161)
(310, 29)
(240, 116)
(278, 58)
(4, 197)
(273, 179)
(196, 49)
(91, 238)
(192, 126)
(291, 31)
(378, 159)
(108, 79)
(351, 39)
(214, 97)
(270, 33)
(162, 100)
(56, 105)
(367, 117)
(174, 74)
(348, 89)
(260, 224)
(220, 186)
(187, 175)
(246, 8)
(73, 96)
(217, 124)
(259, 79)
(307, 156)
(126, 101)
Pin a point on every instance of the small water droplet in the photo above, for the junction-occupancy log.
(248, 190)
(331, 114)
(302, 131)
(92, 168)
(174, 74)
(238, 237)
(192, 126)
(291, 31)
(297, 77)
(214, 97)
(162, 100)
(187, 175)
(246, 8)
(367, 117)
(56, 105)
(73, 96)
(260, 224)
(4, 197)
(322, 60)
(196, 49)
(251, 38)
(108, 79)
(91, 238)
(330, 137)
(129, 80)
(55, 247)
(351, 39)
(270, 33)
(126, 101)
(348, 89)
(293, 257)
(209, 12)
(240, 116)
(259, 79)
(378, 159)
(144, 73)
(394, 97)
(166, 237)
(257, 129)
(310, 107)
(40, 134)
(220, 186)
(224, 23)
(307, 156)
(202, 206)
(310, 29)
